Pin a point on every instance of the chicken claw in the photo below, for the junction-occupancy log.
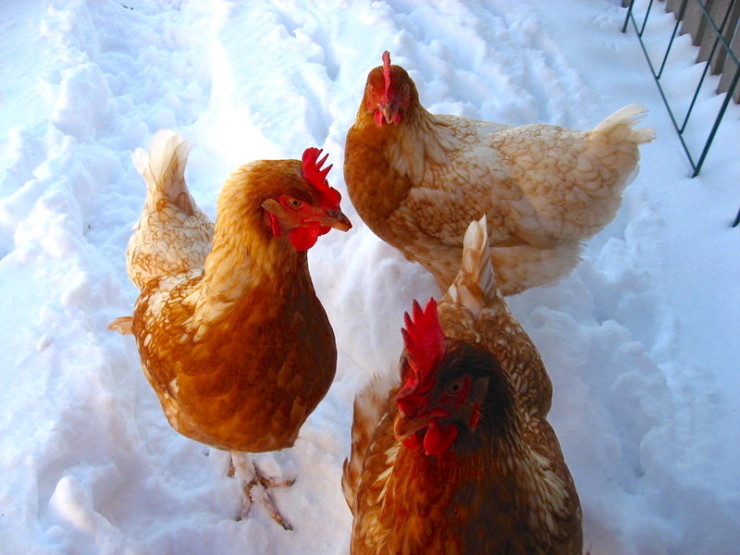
(256, 486)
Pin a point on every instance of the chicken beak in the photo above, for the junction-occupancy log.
(405, 427)
(389, 113)
(337, 220)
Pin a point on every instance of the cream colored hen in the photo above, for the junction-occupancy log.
(417, 180)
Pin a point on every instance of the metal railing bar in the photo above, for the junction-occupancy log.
(647, 14)
(679, 18)
(719, 36)
(699, 85)
(665, 99)
(717, 121)
(627, 19)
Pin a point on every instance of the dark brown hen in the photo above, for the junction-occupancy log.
(458, 457)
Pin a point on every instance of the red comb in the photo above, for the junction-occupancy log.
(316, 176)
(386, 74)
(424, 339)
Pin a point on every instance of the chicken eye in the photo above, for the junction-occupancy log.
(455, 387)
(458, 388)
(295, 204)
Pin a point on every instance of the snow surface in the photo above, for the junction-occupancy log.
(641, 341)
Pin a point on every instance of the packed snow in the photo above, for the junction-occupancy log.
(641, 341)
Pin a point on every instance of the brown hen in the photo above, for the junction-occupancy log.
(458, 457)
(231, 334)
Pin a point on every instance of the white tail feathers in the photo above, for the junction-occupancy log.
(475, 284)
(163, 169)
(620, 125)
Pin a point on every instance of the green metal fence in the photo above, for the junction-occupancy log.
(714, 28)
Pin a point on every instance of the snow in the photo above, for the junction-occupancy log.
(641, 341)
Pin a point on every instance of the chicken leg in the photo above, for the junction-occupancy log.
(255, 487)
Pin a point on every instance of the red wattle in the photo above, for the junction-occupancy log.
(439, 437)
(303, 238)
(378, 118)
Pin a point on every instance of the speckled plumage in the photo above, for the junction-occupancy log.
(419, 182)
(505, 488)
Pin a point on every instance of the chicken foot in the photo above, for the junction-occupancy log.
(255, 487)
